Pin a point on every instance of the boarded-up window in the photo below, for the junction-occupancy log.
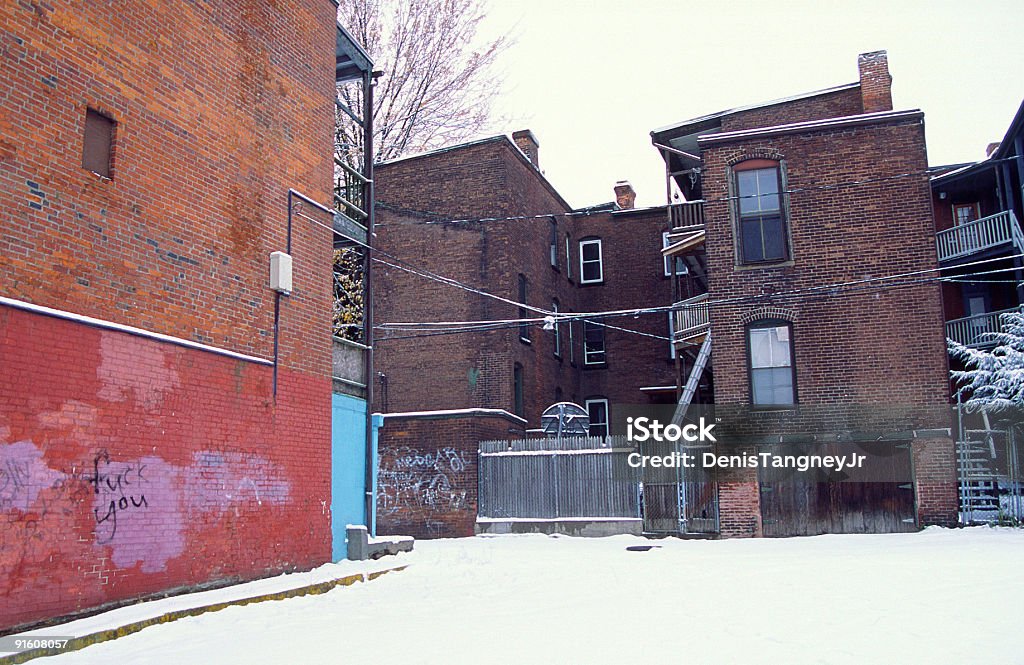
(99, 138)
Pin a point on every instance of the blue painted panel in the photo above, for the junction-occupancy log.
(348, 468)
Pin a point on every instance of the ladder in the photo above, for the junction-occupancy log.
(693, 381)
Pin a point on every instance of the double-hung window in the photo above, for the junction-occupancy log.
(762, 219)
(591, 266)
(597, 412)
(593, 343)
(772, 376)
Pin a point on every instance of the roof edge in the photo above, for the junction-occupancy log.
(813, 125)
(751, 107)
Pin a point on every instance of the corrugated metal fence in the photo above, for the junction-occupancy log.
(549, 479)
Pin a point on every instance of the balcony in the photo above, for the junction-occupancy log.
(978, 236)
(690, 213)
(691, 319)
(973, 331)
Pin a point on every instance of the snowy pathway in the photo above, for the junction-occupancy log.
(939, 596)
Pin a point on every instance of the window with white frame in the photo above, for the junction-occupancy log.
(597, 411)
(568, 256)
(593, 344)
(591, 267)
(681, 268)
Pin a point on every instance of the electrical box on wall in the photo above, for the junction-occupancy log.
(281, 272)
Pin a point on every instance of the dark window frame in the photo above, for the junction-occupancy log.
(518, 391)
(597, 399)
(98, 137)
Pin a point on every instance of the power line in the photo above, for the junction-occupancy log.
(562, 316)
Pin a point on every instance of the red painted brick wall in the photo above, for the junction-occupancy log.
(132, 466)
(219, 110)
(427, 478)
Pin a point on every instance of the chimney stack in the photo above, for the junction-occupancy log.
(875, 81)
(527, 143)
(625, 196)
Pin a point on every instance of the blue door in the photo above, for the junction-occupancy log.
(348, 469)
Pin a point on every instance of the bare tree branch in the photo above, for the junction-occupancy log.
(438, 86)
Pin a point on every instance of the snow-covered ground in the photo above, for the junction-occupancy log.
(939, 596)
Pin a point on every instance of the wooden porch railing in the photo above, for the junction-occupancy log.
(690, 213)
(692, 319)
(979, 235)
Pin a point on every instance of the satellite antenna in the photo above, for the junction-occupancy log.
(565, 419)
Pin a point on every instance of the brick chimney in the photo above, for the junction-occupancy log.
(625, 196)
(875, 81)
(527, 143)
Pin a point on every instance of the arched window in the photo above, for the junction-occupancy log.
(762, 227)
(771, 363)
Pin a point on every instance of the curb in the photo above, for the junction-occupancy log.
(113, 633)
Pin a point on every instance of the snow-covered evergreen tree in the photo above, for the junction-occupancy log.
(994, 380)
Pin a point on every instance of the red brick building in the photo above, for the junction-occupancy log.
(800, 206)
(149, 441)
(483, 214)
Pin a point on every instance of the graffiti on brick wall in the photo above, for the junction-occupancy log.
(140, 509)
(23, 475)
(413, 479)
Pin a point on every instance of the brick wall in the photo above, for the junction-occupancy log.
(132, 466)
(870, 356)
(937, 489)
(829, 105)
(427, 478)
(219, 109)
(851, 348)
(492, 179)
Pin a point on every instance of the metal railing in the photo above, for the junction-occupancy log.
(577, 477)
(979, 235)
(974, 331)
(692, 318)
(690, 213)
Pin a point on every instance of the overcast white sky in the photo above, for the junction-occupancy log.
(592, 78)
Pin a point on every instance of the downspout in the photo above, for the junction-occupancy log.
(368, 188)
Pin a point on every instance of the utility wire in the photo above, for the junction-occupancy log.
(562, 316)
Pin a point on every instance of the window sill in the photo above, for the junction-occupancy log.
(526, 341)
(603, 365)
(593, 283)
(764, 266)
